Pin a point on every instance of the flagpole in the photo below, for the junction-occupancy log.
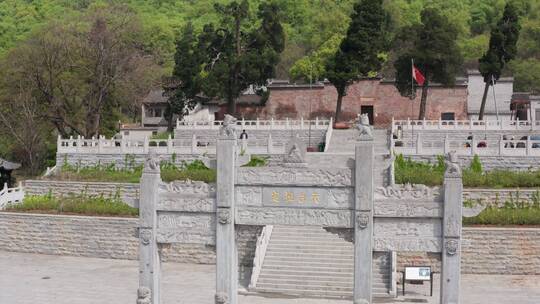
(412, 78)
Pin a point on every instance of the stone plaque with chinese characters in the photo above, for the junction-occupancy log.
(295, 197)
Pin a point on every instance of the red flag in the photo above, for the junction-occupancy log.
(418, 76)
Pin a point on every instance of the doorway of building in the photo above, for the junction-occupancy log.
(369, 111)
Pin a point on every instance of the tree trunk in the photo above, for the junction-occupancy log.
(483, 104)
(231, 105)
(338, 106)
(423, 101)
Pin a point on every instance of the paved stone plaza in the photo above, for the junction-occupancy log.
(46, 279)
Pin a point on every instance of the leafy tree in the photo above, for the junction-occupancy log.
(432, 44)
(502, 49)
(185, 82)
(313, 66)
(237, 56)
(359, 52)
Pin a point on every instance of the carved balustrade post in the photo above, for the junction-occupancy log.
(149, 260)
(451, 253)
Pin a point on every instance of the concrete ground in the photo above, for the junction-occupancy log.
(45, 279)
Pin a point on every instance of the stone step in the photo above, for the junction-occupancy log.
(306, 282)
(310, 259)
(317, 269)
(284, 290)
(328, 244)
(379, 279)
(305, 251)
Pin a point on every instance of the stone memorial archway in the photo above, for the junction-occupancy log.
(400, 218)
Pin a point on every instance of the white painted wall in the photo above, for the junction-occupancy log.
(503, 93)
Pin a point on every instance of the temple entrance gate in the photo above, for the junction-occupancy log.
(399, 218)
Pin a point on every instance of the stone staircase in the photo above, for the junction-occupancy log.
(309, 261)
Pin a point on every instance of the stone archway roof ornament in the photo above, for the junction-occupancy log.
(7, 165)
(366, 130)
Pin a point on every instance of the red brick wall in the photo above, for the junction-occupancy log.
(293, 102)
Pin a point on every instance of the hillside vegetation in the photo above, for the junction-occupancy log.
(311, 25)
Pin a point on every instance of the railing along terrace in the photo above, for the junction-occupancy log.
(10, 196)
(257, 124)
(471, 124)
(474, 146)
(102, 145)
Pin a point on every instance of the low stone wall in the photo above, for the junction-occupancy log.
(129, 193)
(512, 251)
(104, 237)
(489, 162)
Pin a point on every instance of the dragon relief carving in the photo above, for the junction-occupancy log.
(190, 187)
(407, 191)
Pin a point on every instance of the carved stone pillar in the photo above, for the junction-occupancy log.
(149, 260)
(363, 221)
(226, 251)
(451, 253)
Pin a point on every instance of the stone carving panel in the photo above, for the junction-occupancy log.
(187, 204)
(248, 196)
(408, 192)
(293, 216)
(362, 219)
(327, 177)
(189, 188)
(404, 208)
(451, 246)
(404, 227)
(190, 228)
(407, 244)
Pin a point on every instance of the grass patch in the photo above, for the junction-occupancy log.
(195, 170)
(408, 171)
(162, 135)
(518, 213)
(257, 161)
(75, 204)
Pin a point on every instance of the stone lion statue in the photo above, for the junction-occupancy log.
(366, 131)
(144, 295)
(229, 127)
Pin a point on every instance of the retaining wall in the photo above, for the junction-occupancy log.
(484, 250)
(128, 193)
(489, 162)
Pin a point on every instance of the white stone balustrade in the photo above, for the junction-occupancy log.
(287, 124)
(419, 145)
(471, 124)
(195, 146)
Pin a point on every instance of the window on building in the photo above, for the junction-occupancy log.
(157, 112)
(448, 116)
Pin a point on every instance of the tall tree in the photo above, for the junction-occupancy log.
(502, 49)
(360, 51)
(185, 82)
(433, 46)
(237, 56)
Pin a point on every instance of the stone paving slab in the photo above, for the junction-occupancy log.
(45, 279)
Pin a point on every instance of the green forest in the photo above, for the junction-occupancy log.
(55, 47)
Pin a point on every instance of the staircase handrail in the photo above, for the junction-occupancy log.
(260, 252)
(328, 135)
(11, 195)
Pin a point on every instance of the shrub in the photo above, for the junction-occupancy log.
(75, 204)
(257, 161)
(513, 213)
(476, 165)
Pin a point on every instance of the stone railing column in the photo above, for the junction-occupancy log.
(169, 144)
(226, 252)
(451, 253)
(419, 144)
(501, 145)
(149, 260)
(363, 221)
(269, 144)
